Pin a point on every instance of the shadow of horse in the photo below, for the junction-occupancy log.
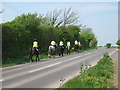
(33, 52)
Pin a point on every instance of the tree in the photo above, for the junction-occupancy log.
(118, 42)
(93, 43)
(1, 11)
(63, 17)
(86, 36)
(108, 45)
(70, 16)
(54, 17)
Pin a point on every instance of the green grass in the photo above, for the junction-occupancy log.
(99, 76)
(25, 59)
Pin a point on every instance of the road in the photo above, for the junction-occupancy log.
(47, 73)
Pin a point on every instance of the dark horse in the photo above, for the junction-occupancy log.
(33, 52)
(61, 50)
(76, 47)
(80, 47)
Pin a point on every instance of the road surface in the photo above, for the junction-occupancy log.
(48, 73)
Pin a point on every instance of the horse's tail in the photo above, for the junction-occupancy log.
(30, 51)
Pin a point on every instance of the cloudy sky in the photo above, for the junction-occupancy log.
(102, 17)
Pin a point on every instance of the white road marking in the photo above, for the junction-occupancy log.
(44, 67)
(53, 64)
(88, 53)
(73, 58)
(1, 80)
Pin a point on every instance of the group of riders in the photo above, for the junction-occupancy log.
(53, 46)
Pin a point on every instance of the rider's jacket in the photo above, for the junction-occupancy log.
(35, 44)
(61, 43)
(53, 43)
(79, 43)
(76, 42)
(68, 43)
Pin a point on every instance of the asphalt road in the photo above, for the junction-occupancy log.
(48, 73)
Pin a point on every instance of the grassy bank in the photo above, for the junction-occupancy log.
(99, 76)
(25, 59)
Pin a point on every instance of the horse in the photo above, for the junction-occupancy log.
(61, 50)
(52, 51)
(68, 49)
(80, 47)
(76, 47)
(33, 52)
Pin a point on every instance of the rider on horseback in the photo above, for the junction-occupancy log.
(53, 44)
(79, 43)
(76, 44)
(35, 45)
(68, 43)
(61, 44)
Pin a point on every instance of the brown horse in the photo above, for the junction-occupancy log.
(80, 47)
(34, 51)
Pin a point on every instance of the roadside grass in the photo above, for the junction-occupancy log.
(99, 76)
(114, 47)
(25, 59)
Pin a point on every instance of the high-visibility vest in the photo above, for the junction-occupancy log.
(76, 42)
(35, 44)
(68, 43)
(61, 43)
(53, 43)
(79, 43)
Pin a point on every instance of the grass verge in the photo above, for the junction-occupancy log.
(99, 76)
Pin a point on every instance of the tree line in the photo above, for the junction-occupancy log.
(18, 34)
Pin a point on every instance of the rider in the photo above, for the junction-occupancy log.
(68, 43)
(79, 43)
(61, 44)
(53, 43)
(76, 43)
(35, 44)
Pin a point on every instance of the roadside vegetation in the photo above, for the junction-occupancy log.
(99, 76)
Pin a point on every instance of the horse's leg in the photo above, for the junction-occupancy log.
(31, 60)
(67, 50)
(36, 57)
(30, 57)
(62, 51)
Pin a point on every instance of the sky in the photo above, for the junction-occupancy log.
(102, 17)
